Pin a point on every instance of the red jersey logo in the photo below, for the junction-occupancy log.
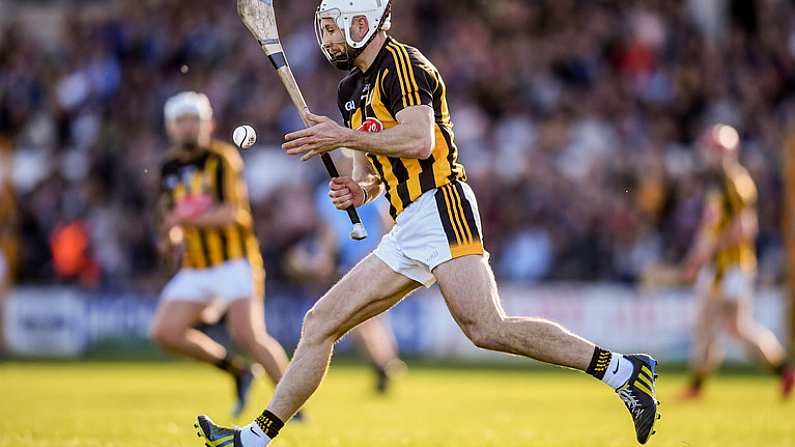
(372, 125)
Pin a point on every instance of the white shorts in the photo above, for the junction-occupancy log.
(440, 225)
(230, 281)
(735, 284)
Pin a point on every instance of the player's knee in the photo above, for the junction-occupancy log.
(318, 327)
(164, 336)
(243, 336)
(731, 326)
(739, 327)
(732, 323)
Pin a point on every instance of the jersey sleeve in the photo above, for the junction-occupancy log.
(407, 80)
(742, 191)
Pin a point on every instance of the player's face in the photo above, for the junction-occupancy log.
(711, 155)
(190, 132)
(332, 37)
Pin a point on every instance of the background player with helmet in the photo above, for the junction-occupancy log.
(723, 258)
(207, 219)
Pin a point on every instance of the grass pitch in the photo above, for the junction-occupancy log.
(153, 404)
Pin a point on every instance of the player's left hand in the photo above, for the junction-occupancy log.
(323, 136)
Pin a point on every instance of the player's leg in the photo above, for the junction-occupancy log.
(366, 291)
(707, 351)
(759, 342)
(172, 330)
(470, 291)
(379, 345)
(240, 289)
(246, 323)
(468, 286)
(369, 289)
(185, 304)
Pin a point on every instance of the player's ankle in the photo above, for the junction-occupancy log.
(233, 364)
(269, 424)
(252, 435)
(611, 368)
(262, 430)
(782, 368)
(697, 383)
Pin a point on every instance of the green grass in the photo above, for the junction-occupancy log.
(153, 404)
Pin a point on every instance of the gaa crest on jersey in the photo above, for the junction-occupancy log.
(372, 125)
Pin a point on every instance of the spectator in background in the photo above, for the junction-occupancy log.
(71, 254)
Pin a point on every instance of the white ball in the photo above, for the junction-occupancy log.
(244, 136)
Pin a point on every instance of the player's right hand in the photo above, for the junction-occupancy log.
(344, 192)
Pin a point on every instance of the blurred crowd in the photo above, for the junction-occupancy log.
(577, 121)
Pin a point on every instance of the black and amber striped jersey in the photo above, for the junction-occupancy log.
(401, 77)
(731, 192)
(210, 177)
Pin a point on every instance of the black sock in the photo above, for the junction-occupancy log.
(781, 368)
(269, 423)
(599, 362)
(697, 382)
(232, 363)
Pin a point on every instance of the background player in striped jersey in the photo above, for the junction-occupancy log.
(404, 147)
(206, 219)
(723, 257)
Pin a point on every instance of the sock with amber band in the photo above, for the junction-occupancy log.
(599, 362)
(269, 423)
(261, 431)
(611, 368)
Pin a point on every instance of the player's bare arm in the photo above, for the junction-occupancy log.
(217, 216)
(363, 187)
(742, 228)
(705, 243)
(412, 138)
(165, 246)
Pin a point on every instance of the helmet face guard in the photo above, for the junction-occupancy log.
(377, 13)
(341, 61)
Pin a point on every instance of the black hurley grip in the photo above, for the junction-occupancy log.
(332, 171)
(278, 60)
(329, 163)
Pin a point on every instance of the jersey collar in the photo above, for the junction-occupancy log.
(377, 61)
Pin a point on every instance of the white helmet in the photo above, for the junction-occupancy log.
(188, 103)
(343, 12)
